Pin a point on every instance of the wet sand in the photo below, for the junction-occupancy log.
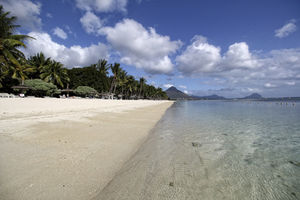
(69, 148)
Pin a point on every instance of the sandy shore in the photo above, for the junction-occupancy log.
(68, 148)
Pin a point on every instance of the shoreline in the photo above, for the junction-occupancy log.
(62, 149)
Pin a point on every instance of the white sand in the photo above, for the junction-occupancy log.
(68, 148)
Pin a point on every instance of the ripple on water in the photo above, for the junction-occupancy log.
(215, 150)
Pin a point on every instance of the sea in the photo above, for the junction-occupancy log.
(215, 150)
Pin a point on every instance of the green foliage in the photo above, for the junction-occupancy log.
(116, 70)
(142, 83)
(103, 67)
(55, 73)
(21, 72)
(39, 62)
(85, 91)
(12, 59)
(41, 88)
(89, 76)
(14, 66)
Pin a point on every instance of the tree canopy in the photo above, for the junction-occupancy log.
(85, 91)
(45, 75)
(41, 88)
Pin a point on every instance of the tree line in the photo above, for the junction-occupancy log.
(40, 72)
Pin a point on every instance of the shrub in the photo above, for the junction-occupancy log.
(85, 91)
(41, 88)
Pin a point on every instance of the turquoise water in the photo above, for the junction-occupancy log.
(216, 150)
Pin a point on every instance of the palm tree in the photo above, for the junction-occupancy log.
(4, 70)
(11, 58)
(122, 80)
(115, 69)
(130, 85)
(55, 73)
(161, 94)
(142, 82)
(103, 67)
(39, 61)
(150, 91)
(21, 71)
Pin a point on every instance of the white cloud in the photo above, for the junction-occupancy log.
(49, 15)
(245, 71)
(284, 57)
(251, 90)
(167, 85)
(186, 92)
(199, 57)
(202, 57)
(286, 30)
(270, 85)
(239, 56)
(102, 5)
(68, 29)
(278, 69)
(60, 33)
(290, 83)
(26, 11)
(142, 48)
(91, 23)
(70, 57)
(182, 86)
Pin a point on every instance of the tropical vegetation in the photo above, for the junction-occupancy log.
(41, 88)
(45, 76)
(85, 91)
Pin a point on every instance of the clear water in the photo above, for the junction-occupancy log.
(242, 150)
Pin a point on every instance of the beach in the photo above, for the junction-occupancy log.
(69, 148)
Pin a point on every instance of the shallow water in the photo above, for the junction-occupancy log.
(216, 150)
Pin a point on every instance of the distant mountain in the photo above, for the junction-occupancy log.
(174, 93)
(211, 97)
(253, 96)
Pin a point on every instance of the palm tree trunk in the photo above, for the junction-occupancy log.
(112, 86)
(115, 88)
(122, 90)
(140, 91)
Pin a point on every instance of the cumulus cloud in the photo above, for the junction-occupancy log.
(279, 68)
(73, 56)
(201, 57)
(247, 72)
(91, 23)
(284, 57)
(102, 5)
(167, 85)
(26, 11)
(239, 56)
(287, 29)
(60, 33)
(141, 47)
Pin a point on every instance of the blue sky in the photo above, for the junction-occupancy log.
(231, 48)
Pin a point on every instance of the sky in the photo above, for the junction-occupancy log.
(230, 48)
